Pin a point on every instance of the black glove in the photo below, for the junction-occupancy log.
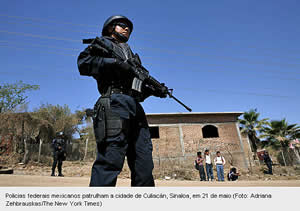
(118, 66)
(161, 92)
(125, 65)
(164, 91)
(135, 62)
(97, 50)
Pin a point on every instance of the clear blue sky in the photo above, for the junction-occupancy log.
(219, 56)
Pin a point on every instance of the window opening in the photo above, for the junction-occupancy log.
(210, 131)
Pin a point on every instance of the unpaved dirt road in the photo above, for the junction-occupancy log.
(47, 181)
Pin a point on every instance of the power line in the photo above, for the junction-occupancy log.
(96, 34)
(188, 37)
(264, 70)
(52, 52)
(43, 26)
(37, 74)
(43, 46)
(27, 68)
(46, 20)
(251, 93)
(158, 49)
(34, 19)
(209, 90)
(199, 44)
(78, 50)
(196, 54)
(74, 55)
(40, 36)
(285, 79)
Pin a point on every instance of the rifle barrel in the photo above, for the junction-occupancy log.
(181, 103)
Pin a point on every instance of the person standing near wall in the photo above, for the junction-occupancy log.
(208, 166)
(200, 162)
(220, 162)
(268, 161)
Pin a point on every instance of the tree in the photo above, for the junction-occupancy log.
(33, 128)
(61, 118)
(87, 136)
(21, 129)
(251, 125)
(279, 132)
(13, 95)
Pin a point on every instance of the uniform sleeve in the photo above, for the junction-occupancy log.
(92, 65)
(54, 145)
(63, 145)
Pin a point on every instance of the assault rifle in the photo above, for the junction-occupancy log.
(142, 76)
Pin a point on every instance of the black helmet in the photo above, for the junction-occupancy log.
(113, 19)
(59, 134)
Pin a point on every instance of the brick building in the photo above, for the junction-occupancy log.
(177, 137)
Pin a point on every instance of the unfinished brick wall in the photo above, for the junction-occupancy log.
(181, 136)
(168, 145)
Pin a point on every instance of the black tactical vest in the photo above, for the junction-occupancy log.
(111, 80)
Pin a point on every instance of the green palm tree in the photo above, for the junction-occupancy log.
(251, 125)
(279, 132)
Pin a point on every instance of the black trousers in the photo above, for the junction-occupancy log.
(269, 165)
(57, 161)
(133, 143)
(232, 177)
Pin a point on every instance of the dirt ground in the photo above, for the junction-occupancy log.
(48, 181)
(77, 174)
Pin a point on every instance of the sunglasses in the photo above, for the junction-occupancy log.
(123, 25)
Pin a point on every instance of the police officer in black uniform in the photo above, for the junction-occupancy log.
(268, 162)
(59, 153)
(120, 124)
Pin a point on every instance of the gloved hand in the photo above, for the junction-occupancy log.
(164, 91)
(133, 61)
(120, 67)
(161, 92)
(117, 63)
(124, 65)
(97, 50)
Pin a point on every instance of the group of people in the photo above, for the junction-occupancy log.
(219, 161)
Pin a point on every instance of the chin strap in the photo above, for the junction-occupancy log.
(121, 37)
